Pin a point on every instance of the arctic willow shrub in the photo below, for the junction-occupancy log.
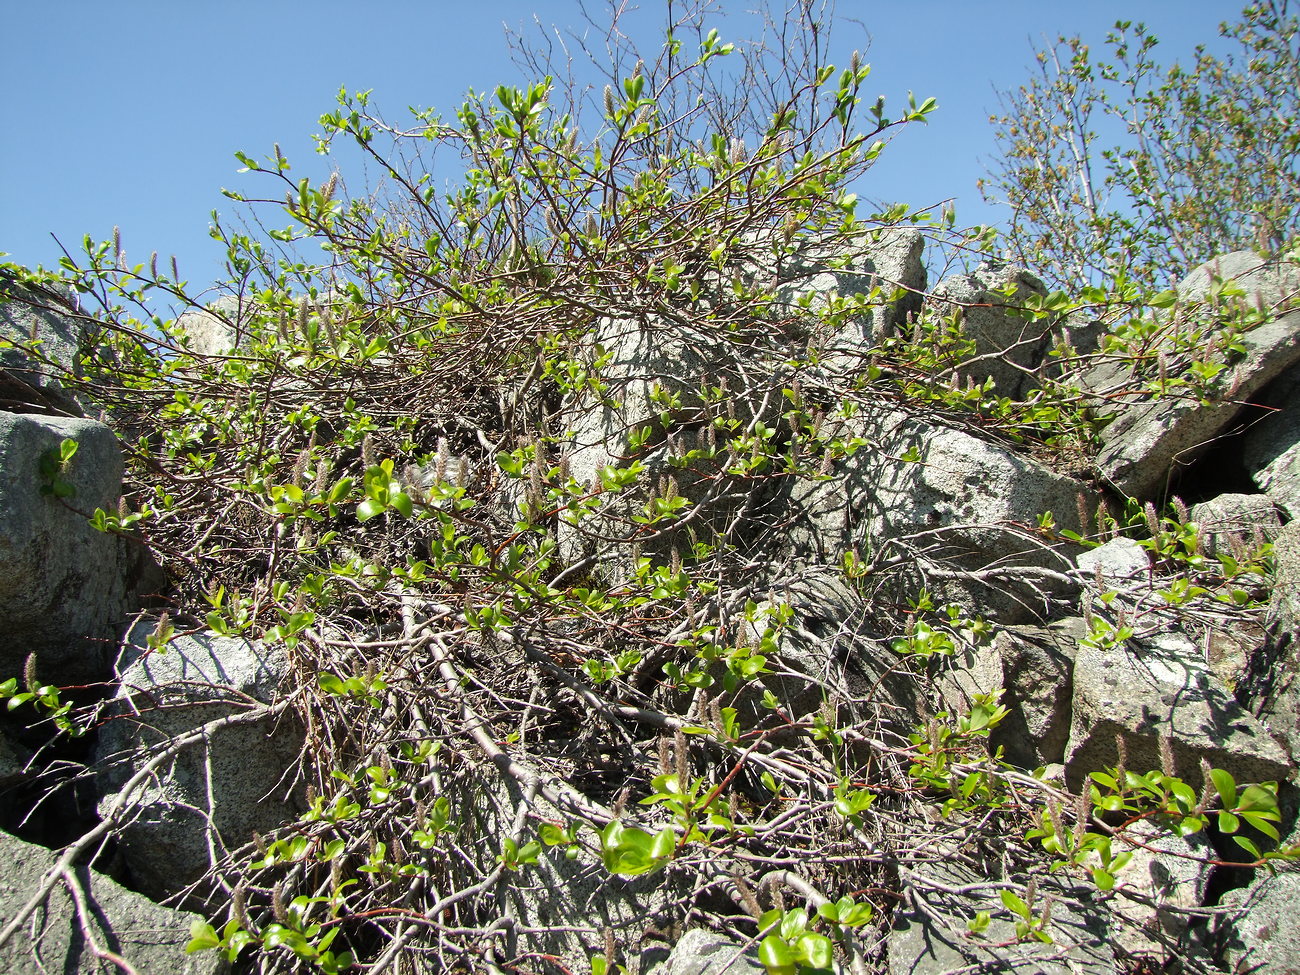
(378, 478)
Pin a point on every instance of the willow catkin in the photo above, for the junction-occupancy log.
(1168, 763)
(277, 904)
(1180, 509)
(239, 906)
(1081, 509)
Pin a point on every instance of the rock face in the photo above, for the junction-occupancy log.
(47, 339)
(570, 905)
(61, 585)
(1151, 439)
(1269, 285)
(962, 500)
(701, 952)
(1167, 874)
(931, 941)
(1271, 688)
(213, 331)
(1163, 688)
(213, 796)
(1009, 347)
(149, 937)
(1265, 937)
(13, 759)
(1117, 562)
(823, 633)
(1240, 519)
(888, 259)
(1271, 447)
(1038, 677)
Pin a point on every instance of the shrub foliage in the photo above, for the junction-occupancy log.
(515, 679)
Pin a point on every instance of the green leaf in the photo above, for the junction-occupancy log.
(1248, 845)
(1261, 822)
(1257, 798)
(368, 509)
(816, 949)
(1014, 904)
(665, 844)
(776, 956)
(202, 936)
(341, 489)
(794, 923)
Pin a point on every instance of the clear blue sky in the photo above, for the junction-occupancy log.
(128, 113)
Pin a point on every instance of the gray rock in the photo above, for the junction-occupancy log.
(14, 771)
(1271, 447)
(150, 937)
(566, 905)
(1265, 937)
(1284, 608)
(934, 942)
(1150, 438)
(214, 331)
(646, 363)
(1269, 283)
(1009, 348)
(1038, 677)
(61, 585)
(966, 503)
(823, 653)
(1162, 687)
(1166, 875)
(219, 793)
(1118, 561)
(886, 258)
(1081, 333)
(13, 759)
(972, 671)
(642, 362)
(1229, 650)
(701, 952)
(1271, 688)
(1248, 517)
(654, 372)
(48, 335)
